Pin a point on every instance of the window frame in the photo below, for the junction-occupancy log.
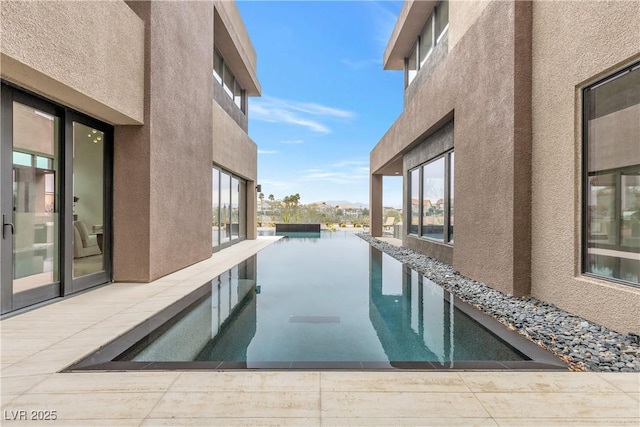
(447, 238)
(240, 99)
(585, 175)
(416, 48)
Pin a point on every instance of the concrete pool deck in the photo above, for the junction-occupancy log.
(37, 344)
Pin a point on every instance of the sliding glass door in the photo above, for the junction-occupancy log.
(42, 165)
(31, 184)
(229, 211)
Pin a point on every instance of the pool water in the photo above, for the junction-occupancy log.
(332, 298)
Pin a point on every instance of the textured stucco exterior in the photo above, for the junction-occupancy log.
(87, 55)
(462, 15)
(597, 38)
(512, 84)
(490, 196)
(235, 151)
(171, 153)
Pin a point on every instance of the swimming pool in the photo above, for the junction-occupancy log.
(328, 301)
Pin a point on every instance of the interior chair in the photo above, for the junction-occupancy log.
(84, 245)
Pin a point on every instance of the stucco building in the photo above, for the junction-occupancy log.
(527, 114)
(125, 153)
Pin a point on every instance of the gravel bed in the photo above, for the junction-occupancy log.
(584, 345)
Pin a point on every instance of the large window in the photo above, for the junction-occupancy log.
(432, 199)
(435, 27)
(611, 214)
(228, 224)
(223, 75)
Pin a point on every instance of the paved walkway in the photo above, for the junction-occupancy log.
(39, 343)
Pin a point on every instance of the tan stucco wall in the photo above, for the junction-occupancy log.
(477, 83)
(167, 162)
(596, 39)
(233, 149)
(462, 15)
(86, 55)
(236, 152)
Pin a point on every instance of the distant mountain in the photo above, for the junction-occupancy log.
(345, 204)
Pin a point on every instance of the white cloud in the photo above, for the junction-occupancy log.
(267, 152)
(305, 114)
(296, 141)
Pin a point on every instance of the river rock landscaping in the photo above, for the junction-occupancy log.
(584, 345)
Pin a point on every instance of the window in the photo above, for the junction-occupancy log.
(432, 199)
(229, 210)
(415, 200)
(217, 66)
(426, 41)
(441, 18)
(611, 171)
(223, 75)
(435, 27)
(412, 64)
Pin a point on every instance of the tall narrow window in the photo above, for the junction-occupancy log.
(215, 208)
(426, 41)
(217, 66)
(611, 241)
(433, 195)
(451, 196)
(415, 201)
(442, 18)
(412, 64)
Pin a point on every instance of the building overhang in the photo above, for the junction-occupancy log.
(391, 168)
(232, 41)
(412, 18)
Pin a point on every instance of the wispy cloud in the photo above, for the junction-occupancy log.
(344, 163)
(362, 63)
(296, 141)
(267, 152)
(384, 20)
(306, 114)
(342, 172)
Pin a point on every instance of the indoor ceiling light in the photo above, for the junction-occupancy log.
(41, 114)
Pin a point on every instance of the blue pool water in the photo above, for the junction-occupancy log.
(332, 298)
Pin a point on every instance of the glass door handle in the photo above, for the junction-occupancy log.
(5, 224)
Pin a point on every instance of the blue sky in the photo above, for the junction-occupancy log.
(326, 101)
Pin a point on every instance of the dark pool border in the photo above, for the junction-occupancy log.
(103, 358)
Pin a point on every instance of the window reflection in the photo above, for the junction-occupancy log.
(88, 196)
(415, 200)
(433, 196)
(215, 208)
(35, 189)
(612, 183)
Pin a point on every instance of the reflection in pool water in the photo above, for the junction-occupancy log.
(333, 298)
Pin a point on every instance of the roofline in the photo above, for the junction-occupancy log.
(410, 22)
(233, 42)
